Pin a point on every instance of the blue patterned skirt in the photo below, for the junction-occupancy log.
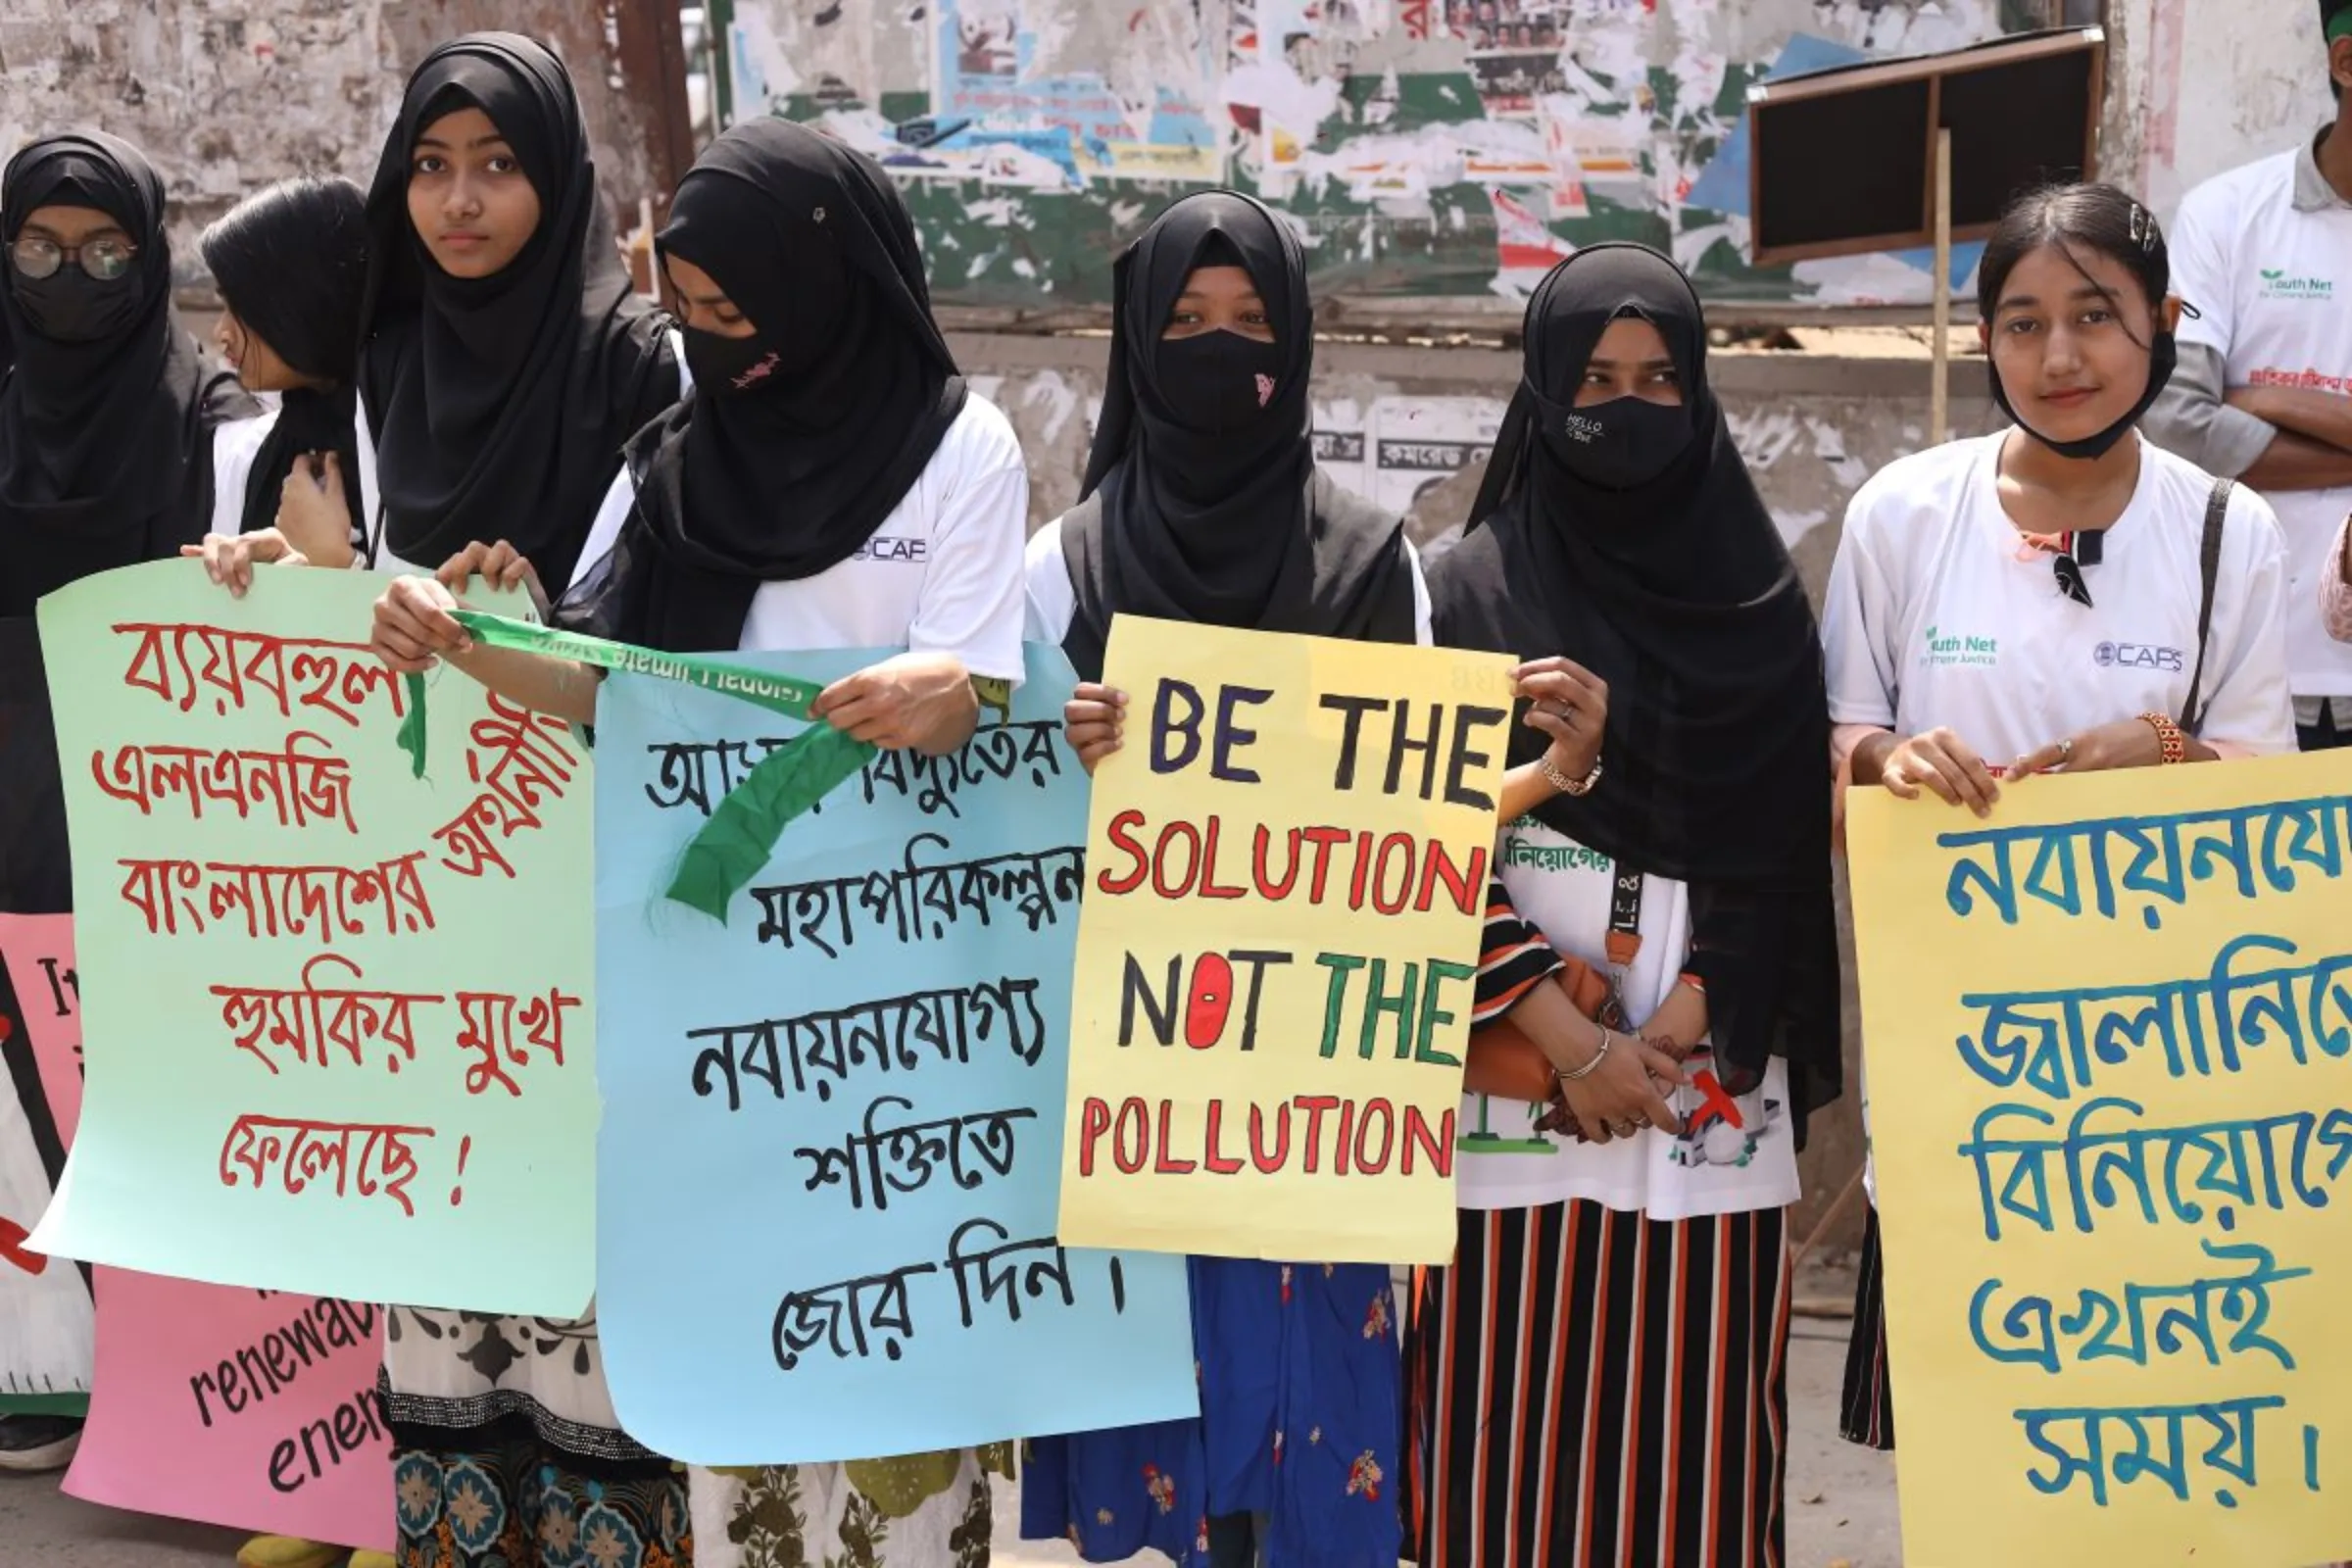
(1300, 1416)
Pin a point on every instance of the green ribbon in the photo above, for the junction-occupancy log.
(744, 827)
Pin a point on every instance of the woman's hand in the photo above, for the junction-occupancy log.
(922, 701)
(312, 513)
(500, 565)
(230, 558)
(1626, 1092)
(1942, 764)
(414, 630)
(2130, 743)
(1090, 720)
(1569, 704)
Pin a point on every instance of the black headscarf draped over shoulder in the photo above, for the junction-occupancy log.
(105, 446)
(1679, 594)
(500, 405)
(1223, 529)
(812, 243)
(290, 263)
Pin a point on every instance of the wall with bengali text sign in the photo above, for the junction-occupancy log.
(338, 1033)
(1286, 871)
(839, 1113)
(2109, 1035)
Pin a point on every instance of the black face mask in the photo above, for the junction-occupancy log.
(2164, 356)
(70, 306)
(730, 367)
(1622, 444)
(1218, 382)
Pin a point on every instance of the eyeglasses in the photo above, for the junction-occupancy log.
(105, 260)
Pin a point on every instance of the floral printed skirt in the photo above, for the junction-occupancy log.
(516, 1505)
(1300, 1418)
(506, 1453)
(930, 1510)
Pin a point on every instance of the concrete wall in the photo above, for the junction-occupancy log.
(2199, 86)
(1409, 428)
(226, 97)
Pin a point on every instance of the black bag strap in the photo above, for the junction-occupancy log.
(2209, 566)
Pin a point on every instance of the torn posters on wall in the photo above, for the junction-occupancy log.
(1427, 148)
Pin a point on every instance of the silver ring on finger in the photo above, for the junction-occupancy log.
(2066, 751)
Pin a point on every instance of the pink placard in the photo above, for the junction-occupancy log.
(39, 952)
(253, 1409)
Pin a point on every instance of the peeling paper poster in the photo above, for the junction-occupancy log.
(997, 70)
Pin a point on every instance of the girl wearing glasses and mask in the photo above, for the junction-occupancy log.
(2030, 601)
(117, 442)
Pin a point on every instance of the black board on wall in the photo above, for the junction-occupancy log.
(1844, 161)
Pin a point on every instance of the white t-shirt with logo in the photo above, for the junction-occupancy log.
(2272, 288)
(941, 574)
(1734, 1154)
(1934, 621)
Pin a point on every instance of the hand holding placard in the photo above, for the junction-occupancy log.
(1278, 951)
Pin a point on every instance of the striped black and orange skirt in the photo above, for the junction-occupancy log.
(1589, 1389)
(1866, 1406)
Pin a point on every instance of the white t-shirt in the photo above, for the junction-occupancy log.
(2273, 286)
(1053, 602)
(942, 573)
(371, 498)
(235, 445)
(1733, 1154)
(1933, 621)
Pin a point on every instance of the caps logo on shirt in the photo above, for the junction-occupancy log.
(2138, 656)
(883, 547)
(1958, 648)
(2278, 285)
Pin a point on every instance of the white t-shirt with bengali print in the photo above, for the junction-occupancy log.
(1935, 619)
(2272, 288)
(1736, 1154)
(941, 574)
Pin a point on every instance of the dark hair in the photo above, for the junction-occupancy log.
(291, 263)
(2076, 217)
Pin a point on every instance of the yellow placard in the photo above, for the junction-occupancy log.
(1287, 866)
(2110, 1052)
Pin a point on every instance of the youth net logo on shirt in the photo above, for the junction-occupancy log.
(1958, 648)
(2280, 284)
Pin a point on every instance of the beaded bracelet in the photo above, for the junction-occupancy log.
(2170, 744)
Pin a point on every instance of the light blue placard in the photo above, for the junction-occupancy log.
(733, 1194)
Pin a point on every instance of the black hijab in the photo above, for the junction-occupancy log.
(799, 441)
(1202, 500)
(1678, 592)
(290, 264)
(500, 405)
(105, 450)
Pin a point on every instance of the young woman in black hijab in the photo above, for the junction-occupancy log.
(116, 437)
(1202, 503)
(506, 359)
(829, 483)
(1625, 1246)
(290, 263)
